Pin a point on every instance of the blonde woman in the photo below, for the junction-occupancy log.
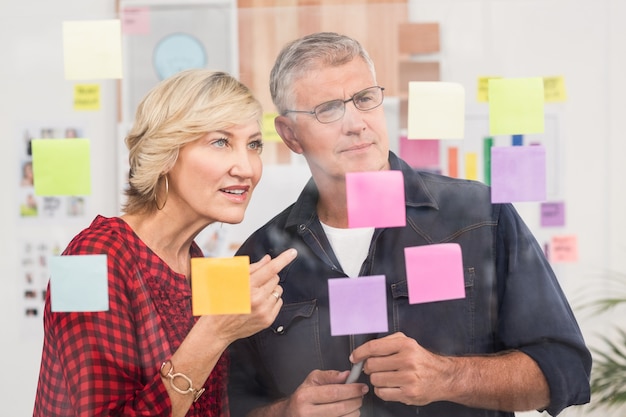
(194, 154)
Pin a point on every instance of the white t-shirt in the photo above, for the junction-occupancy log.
(350, 246)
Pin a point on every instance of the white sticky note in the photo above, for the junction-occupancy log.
(92, 49)
(436, 110)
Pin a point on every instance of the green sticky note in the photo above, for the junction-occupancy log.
(516, 106)
(79, 283)
(61, 167)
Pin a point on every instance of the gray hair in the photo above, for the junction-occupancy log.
(177, 111)
(307, 54)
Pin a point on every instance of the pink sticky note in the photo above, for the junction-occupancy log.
(518, 173)
(564, 249)
(434, 273)
(375, 199)
(423, 153)
(136, 20)
(357, 305)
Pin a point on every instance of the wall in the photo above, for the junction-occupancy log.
(583, 40)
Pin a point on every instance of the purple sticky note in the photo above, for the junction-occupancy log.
(552, 214)
(422, 153)
(357, 305)
(434, 273)
(518, 173)
(375, 199)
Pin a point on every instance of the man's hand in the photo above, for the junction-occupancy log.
(324, 394)
(401, 370)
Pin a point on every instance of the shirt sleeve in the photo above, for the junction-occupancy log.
(98, 362)
(535, 316)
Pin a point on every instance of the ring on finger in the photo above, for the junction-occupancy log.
(276, 294)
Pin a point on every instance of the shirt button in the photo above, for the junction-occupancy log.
(302, 227)
(280, 329)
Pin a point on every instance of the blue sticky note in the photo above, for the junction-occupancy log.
(357, 305)
(375, 199)
(79, 283)
(518, 173)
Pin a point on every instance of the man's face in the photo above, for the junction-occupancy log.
(356, 142)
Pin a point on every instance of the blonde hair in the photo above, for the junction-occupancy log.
(179, 110)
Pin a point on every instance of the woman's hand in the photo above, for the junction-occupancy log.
(265, 299)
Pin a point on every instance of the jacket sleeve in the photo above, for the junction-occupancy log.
(535, 316)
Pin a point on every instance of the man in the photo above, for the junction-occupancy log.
(511, 344)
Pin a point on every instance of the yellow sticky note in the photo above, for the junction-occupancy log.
(554, 89)
(482, 93)
(92, 49)
(471, 166)
(220, 285)
(87, 97)
(436, 110)
(268, 130)
(516, 106)
(61, 166)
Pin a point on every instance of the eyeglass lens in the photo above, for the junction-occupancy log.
(364, 100)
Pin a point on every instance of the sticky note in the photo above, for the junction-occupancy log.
(436, 110)
(61, 166)
(220, 285)
(453, 162)
(482, 93)
(553, 214)
(92, 49)
(423, 153)
(517, 140)
(136, 20)
(434, 273)
(87, 97)
(357, 305)
(487, 145)
(471, 166)
(268, 130)
(564, 249)
(79, 283)
(518, 173)
(375, 199)
(554, 89)
(516, 106)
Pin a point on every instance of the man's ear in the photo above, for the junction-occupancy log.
(283, 125)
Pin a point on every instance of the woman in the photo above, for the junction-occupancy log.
(194, 154)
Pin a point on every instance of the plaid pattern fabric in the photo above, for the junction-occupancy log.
(107, 363)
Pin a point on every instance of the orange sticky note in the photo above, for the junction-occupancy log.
(220, 285)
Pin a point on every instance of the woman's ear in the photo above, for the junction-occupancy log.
(283, 125)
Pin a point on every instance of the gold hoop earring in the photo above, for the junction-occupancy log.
(167, 192)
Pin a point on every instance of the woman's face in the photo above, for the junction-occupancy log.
(214, 176)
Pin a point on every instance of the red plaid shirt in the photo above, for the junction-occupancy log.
(107, 363)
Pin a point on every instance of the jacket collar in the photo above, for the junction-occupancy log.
(416, 194)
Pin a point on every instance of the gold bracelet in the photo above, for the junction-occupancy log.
(172, 376)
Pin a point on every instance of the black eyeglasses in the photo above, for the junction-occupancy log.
(333, 110)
